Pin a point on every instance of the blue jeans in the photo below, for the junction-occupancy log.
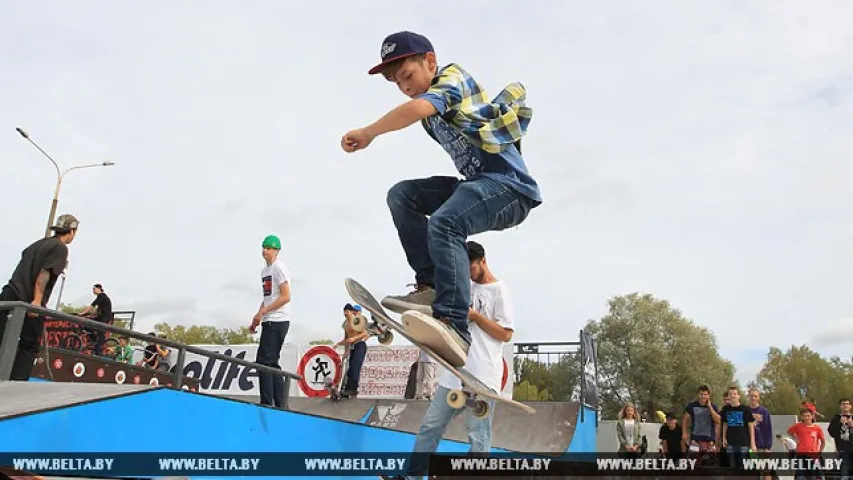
(435, 422)
(736, 456)
(356, 359)
(846, 465)
(435, 246)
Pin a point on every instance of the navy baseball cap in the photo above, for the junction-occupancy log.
(401, 45)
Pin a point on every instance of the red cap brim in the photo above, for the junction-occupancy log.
(378, 68)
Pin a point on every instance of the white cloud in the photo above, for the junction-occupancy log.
(835, 334)
(700, 152)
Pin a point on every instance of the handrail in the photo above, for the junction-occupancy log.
(18, 309)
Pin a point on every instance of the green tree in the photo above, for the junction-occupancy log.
(528, 392)
(554, 381)
(70, 309)
(204, 334)
(649, 354)
(788, 378)
(322, 341)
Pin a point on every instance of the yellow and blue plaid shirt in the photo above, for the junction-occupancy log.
(491, 126)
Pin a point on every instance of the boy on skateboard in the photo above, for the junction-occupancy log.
(491, 317)
(434, 216)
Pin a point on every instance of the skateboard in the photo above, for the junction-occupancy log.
(374, 329)
(335, 390)
(471, 386)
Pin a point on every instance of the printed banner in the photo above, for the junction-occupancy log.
(386, 372)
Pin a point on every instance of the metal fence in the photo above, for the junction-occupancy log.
(19, 310)
(547, 371)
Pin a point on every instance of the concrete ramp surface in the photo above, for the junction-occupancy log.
(550, 429)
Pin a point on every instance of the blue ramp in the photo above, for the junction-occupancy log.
(181, 421)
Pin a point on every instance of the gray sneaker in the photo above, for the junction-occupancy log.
(438, 335)
(420, 299)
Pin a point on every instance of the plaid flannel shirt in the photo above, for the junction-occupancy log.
(491, 126)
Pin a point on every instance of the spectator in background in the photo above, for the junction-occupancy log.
(123, 351)
(102, 307)
(841, 430)
(425, 386)
(163, 353)
(628, 431)
(763, 425)
(738, 435)
(724, 452)
(670, 437)
(810, 441)
(150, 357)
(701, 421)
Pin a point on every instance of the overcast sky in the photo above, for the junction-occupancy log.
(700, 151)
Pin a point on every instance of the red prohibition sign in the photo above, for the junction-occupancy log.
(313, 353)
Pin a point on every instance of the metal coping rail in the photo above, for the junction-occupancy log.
(9, 344)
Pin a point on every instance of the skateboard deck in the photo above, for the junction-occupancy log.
(471, 386)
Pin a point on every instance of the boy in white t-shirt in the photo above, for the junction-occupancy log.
(490, 318)
(274, 316)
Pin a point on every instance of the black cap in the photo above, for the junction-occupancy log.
(349, 307)
(98, 286)
(475, 251)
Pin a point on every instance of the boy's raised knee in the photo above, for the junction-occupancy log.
(442, 224)
(399, 195)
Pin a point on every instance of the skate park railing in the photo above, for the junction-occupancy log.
(18, 311)
(568, 372)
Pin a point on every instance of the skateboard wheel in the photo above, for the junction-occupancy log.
(481, 409)
(456, 399)
(386, 338)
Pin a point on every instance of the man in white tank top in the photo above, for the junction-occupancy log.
(490, 318)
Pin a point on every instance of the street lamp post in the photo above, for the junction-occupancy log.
(59, 177)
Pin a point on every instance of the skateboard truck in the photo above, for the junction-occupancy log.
(374, 328)
(459, 398)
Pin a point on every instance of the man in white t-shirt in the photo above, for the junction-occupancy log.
(425, 377)
(490, 318)
(274, 317)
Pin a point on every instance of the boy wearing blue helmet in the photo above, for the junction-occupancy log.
(356, 346)
(434, 216)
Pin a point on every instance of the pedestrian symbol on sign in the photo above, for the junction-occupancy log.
(321, 368)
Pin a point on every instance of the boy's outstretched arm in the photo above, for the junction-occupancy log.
(397, 119)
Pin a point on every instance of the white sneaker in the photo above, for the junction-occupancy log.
(437, 335)
(420, 299)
